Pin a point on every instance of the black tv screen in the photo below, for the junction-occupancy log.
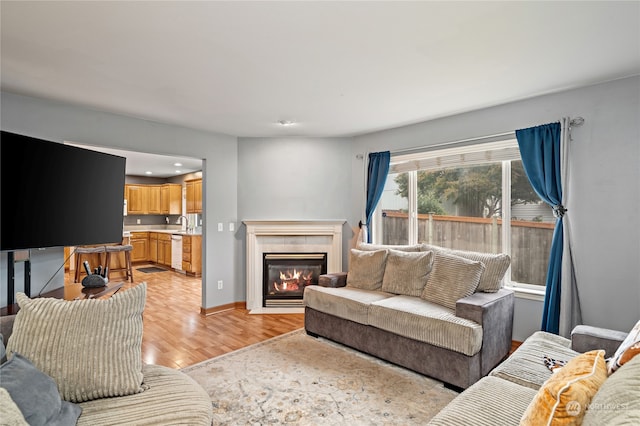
(55, 195)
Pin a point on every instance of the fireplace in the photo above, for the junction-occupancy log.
(285, 275)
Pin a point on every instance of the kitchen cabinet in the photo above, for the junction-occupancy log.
(153, 247)
(154, 199)
(171, 198)
(155, 206)
(192, 255)
(194, 195)
(137, 198)
(164, 249)
(140, 243)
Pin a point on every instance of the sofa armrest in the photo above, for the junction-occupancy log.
(585, 338)
(494, 312)
(336, 279)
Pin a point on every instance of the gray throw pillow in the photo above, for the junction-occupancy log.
(36, 394)
(3, 353)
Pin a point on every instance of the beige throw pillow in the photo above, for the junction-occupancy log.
(91, 348)
(366, 269)
(452, 278)
(495, 266)
(406, 272)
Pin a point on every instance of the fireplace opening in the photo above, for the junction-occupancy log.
(285, 275)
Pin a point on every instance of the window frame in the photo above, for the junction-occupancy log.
(523, 290)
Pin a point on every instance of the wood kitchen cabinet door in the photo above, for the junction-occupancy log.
(194, 195)
(155, 206)
(137, 199)
(164, 249)
(153, 247)
(171, 198)
(140, 243)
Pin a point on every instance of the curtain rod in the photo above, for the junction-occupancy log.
(574, 122)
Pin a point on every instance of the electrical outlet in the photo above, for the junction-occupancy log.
(219, 284)
(232, 226)
(138, 221)
(220, 227)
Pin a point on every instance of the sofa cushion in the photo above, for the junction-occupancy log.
(366, 269)
(406, 272)
(452, 278)
(565, 396)
(495, 266)
(488, 402)
(400, 247)
(36, 394)
(526, 365)
(616, 402)
(172, 398)
(427, 322)
(11, 414)
(629, 348)
(344, 302)
(91, 348)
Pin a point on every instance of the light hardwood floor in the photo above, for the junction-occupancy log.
(176, 334)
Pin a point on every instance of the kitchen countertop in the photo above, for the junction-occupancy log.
(161, 231)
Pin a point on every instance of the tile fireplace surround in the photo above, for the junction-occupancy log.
(292, 236)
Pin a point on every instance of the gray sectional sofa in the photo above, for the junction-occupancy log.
(422, 307)
(505, 395)
(79, 362)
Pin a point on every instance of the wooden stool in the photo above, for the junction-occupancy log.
(127, 269)
(80, 251)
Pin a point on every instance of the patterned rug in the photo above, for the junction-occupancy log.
(300, 380)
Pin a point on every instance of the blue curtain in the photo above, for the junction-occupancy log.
(540, 152)
(376, 178)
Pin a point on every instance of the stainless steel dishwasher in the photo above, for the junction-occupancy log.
(176, 252)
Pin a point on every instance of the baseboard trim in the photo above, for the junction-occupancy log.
(223, 308)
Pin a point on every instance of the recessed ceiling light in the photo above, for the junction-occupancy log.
(178, 171)
(148, 172)
(286, 123)
(177, 164)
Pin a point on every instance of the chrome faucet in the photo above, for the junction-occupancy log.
(186, 221)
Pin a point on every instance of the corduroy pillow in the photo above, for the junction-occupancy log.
(452, 278)
(406, 272)
(565, 396)
(400, 247)
(91, 348)
(495, 266)
(366, 269)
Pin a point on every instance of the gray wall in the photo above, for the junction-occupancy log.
(329, 183)
(292, 179)
(604, 188)
(60, 122)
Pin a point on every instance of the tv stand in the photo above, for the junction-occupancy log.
(13, 257)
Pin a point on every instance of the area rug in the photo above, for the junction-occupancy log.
(300, 380)
(151, 269)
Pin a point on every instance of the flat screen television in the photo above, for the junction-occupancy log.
(54, 195)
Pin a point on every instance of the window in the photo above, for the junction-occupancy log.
(474, 197)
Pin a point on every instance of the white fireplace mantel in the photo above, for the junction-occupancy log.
(292, 236)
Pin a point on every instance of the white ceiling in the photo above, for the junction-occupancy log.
(335, 68)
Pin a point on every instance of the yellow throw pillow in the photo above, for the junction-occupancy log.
(564, 397)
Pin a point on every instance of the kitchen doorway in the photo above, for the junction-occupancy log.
(162, 207)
